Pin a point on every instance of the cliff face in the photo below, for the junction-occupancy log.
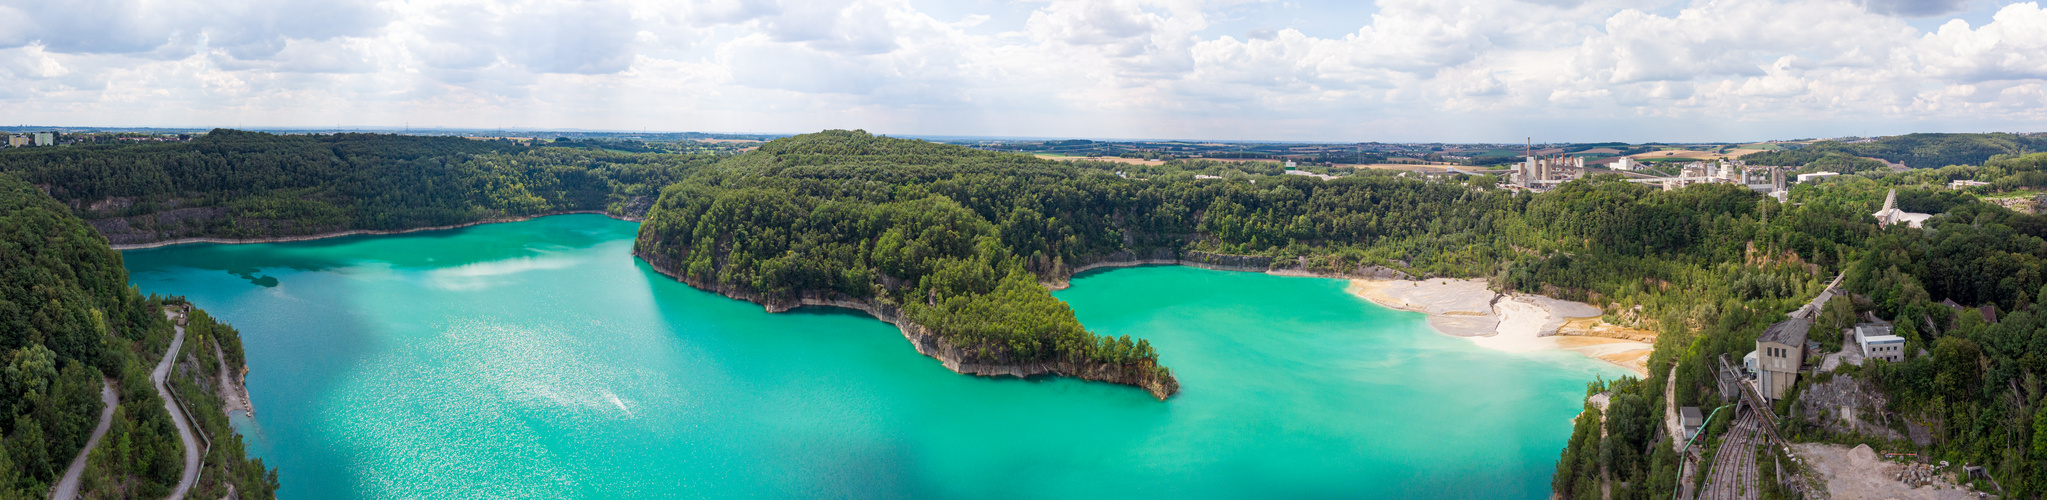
(929, 343)
(1223, 262)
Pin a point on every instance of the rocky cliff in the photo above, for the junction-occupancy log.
(1222, 262)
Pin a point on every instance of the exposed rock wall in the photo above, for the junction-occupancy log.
(1847, 405)
(1222, 262)
(132, 239)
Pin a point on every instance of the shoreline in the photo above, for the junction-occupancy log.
(1250, 264)
(354, 232)
(929, 344)
(1459, 308)
(1512, 322)
(1469, 310)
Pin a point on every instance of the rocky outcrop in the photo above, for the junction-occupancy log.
(131, 239)
(929, 343)
(1848, 406)
(1226, 262)
(168, 224)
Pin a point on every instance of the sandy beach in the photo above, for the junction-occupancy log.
(1512, 322)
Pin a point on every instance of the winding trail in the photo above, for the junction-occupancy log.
(67, 488)
(170, 404)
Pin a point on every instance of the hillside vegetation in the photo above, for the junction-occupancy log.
(68, 320)
(235, 184)
(959, 246)
(956, 238)
(1913, 150)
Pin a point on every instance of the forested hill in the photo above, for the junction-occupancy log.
(904, 227)
(1912, 150)
(68, 321)
(235, 184)
(959, 238)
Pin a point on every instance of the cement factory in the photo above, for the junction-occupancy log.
(1542, 173)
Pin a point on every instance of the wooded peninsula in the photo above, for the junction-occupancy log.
(959, 247)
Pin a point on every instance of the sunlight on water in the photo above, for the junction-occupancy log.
(539, 359)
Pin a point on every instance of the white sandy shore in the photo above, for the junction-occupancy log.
(1514, 323)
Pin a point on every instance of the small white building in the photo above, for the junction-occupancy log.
(1804, 178)
(1877, 342)
(1625, 163)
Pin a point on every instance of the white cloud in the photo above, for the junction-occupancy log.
(1471, 69)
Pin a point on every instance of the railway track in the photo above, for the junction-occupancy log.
(1734, 475)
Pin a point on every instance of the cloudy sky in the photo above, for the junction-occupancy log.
(1394, 70)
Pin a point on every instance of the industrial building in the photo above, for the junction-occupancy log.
(1544, 172)
(1690, 419)
(1765, 179)
(1877, 342)
(1779, 354)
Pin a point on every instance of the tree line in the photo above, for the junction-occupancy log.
(68, 321)
(961, 239)
(237, 184)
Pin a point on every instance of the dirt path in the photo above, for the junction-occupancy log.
(67, 488)
(1672, 426)
(170, 404)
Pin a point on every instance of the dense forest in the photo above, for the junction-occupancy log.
(234, 184)
(70, 323)
(964, 243)
(1912, 150)
(1967, 392)
(950, 235)
(956, 239)
(953, 236)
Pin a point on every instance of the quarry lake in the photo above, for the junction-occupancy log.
(540, 359)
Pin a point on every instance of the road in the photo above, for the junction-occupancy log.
(163, 371)
(67, 488)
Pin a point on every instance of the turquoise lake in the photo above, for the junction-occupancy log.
(540, 359)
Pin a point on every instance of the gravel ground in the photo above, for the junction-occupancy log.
(1859, 473)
